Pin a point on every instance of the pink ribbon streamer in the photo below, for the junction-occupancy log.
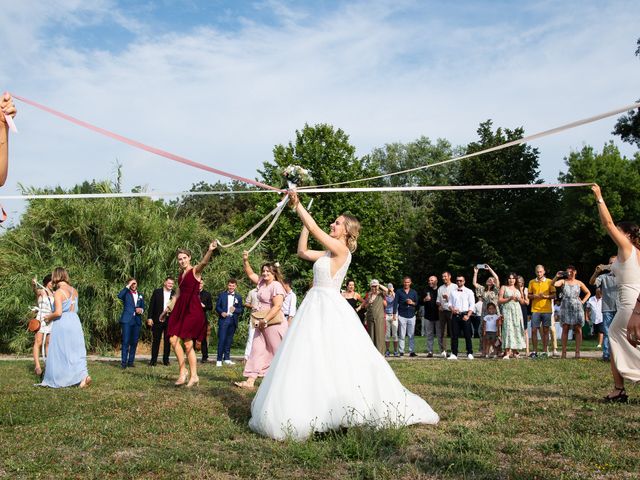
(142, 146)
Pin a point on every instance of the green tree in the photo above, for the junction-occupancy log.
(628, 126)
(619, 177)
(218, 212)
(509, 229)
(101, 242)
(414, 211)
(329, 157)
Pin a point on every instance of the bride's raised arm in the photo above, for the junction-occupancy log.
(335, 246)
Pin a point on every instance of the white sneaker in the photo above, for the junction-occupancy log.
(444, 354)
(452, 357)
(229, 362)
(470, 356)
(218, 363)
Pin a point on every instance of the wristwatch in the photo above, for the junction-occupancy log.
(600, 200)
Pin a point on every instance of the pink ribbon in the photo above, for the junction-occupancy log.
(142, 146)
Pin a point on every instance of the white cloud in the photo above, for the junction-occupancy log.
(225, 98)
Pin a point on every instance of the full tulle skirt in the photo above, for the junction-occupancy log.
(328, 374)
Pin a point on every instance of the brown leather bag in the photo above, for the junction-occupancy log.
(33, 324)
(257, 318)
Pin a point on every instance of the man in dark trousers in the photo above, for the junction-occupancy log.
(160, 298)
(229, 308)
(207, 305)
(130, 321)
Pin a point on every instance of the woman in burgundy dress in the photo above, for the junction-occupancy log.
(187, 320)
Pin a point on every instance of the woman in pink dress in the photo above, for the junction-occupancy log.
(266, 338)
(187, 321)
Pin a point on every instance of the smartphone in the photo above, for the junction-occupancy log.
(481, 266)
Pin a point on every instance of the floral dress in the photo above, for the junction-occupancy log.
(571, 308)
(512, 326)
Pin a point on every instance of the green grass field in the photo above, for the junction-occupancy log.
(519, 419)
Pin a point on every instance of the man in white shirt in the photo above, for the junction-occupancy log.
(289, 305)
(462, 302)
(594, 315)
(444, 310)
(159, 301)
(251, 303)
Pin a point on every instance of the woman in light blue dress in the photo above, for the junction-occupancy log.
(67, 360)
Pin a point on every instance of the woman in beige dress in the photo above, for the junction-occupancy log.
(624, 333)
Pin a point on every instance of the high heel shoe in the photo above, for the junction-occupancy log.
(620, 397)
(193, 382)
(182, 379)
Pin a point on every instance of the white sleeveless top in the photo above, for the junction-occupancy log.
(322, 272)
(628, 278)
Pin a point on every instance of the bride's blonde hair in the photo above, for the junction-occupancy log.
(352, 227)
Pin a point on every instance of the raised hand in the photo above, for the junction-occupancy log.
(7, 107)
(293, 198)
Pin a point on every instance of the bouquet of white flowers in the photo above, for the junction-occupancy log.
(295, 176)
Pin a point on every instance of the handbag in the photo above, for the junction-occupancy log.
(257, 318)
(33, 324)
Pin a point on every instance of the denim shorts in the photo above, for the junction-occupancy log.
(538, 318)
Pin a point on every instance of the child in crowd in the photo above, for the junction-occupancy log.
(491, 324)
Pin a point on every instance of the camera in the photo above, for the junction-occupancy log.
(563, 275)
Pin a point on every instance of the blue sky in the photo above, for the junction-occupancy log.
(222, 82)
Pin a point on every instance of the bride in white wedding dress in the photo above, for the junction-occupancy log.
(327, 373)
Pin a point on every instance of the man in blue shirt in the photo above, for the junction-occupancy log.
(405, 308)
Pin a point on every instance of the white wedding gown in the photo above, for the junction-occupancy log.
(328, 374)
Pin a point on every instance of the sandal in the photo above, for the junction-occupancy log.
(244, 385)
(620, 397)
(86, 382)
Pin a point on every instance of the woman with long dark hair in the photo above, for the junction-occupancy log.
(624, 332)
